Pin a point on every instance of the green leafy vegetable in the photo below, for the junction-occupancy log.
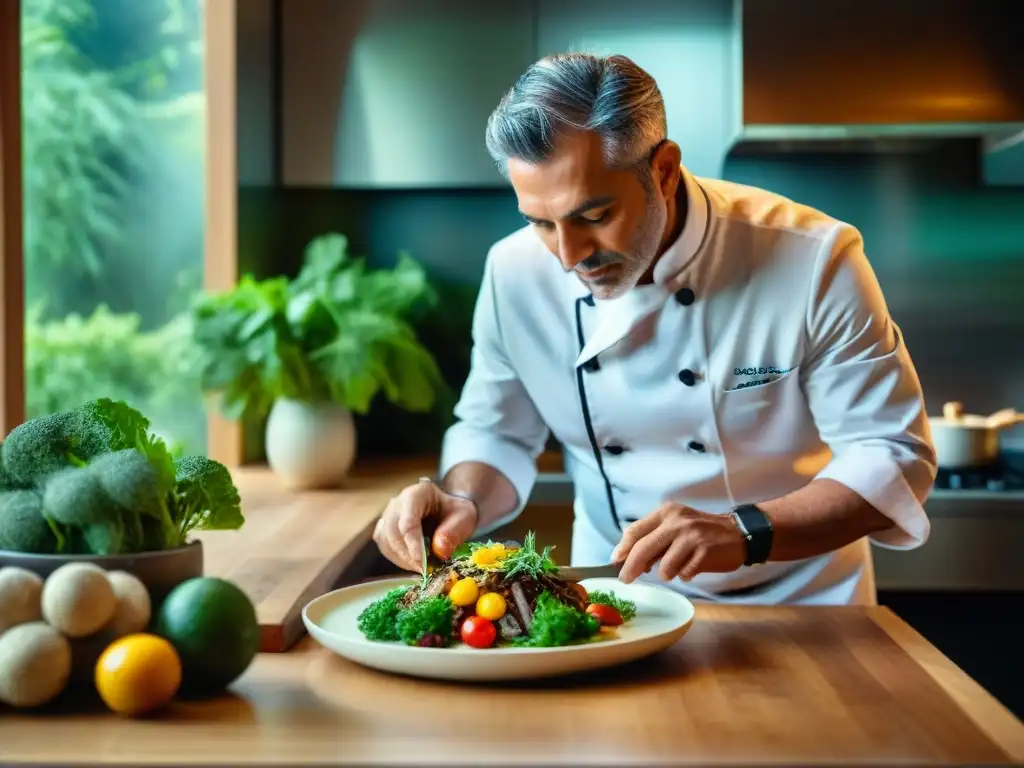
(206, 496)
(378, 620)
(128, 428)
(432, 616)
(337, 332)
(106, 485)
(23, 528)
(464, 550)
(135, 487)
(40, 447)
(526, 561)
(626, 608)
(556, 624)
(74, 499)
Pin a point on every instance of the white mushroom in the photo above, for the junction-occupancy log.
(78, 599)
(133, 605)
(35, 664)
(20, 597)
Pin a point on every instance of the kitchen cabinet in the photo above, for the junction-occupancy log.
(396, 93)
(692, 49)
(255, 93)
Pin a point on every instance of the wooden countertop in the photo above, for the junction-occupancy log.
(295, 545)
(747, 685)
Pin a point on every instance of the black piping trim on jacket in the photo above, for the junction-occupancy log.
(585, 408)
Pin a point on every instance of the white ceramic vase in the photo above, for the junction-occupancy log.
(310, 445)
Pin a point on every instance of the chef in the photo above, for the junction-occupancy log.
(739, 413)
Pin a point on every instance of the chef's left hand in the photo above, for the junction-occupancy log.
(685, 541)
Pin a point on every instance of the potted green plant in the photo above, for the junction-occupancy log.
(306, 354)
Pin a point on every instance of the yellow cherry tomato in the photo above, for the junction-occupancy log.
(137, 674)
(464, 592)
(490, 606)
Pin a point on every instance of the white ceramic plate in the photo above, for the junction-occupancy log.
(662, 618)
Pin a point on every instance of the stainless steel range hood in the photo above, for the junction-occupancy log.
(879, 75)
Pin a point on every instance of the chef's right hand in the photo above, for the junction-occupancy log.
(399, 532)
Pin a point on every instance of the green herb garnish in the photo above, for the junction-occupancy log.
(527, 561)
(465, 549)
(432, 616)
(378, 621)
(555, 624)
(426, 576)
(626, 608)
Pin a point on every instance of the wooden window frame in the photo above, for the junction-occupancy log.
(224, 438)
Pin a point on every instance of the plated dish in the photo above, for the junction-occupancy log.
(495, 595)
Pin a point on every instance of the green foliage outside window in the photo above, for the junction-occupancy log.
(112, 111)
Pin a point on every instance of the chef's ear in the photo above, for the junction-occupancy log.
(665, 163)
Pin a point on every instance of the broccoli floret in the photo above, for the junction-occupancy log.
(23, 528)
(131, 481)
(74, 498)
(38, 448)
(7, 483)
(432, 616)
(134, 485)
(206, 496)
(41, 446)
(378, 620)
(556, 623)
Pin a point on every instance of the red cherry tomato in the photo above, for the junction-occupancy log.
(478, 632)
(607, 615)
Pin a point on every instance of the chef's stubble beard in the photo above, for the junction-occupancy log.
(644, 249)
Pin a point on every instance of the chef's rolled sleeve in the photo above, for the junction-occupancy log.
(497, 422)
(865, 395)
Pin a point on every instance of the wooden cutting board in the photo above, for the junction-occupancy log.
(294, 546)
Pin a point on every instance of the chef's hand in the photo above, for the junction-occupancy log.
(399, 532)
(686, 542)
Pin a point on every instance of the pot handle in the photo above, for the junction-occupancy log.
(953, 411)
(1007, 417)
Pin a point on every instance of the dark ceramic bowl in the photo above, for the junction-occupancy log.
(160, 571)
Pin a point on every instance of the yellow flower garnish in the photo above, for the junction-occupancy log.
(483, 556)
(491, 556)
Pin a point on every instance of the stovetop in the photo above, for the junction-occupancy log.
(1005, 475)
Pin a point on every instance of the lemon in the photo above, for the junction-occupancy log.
(138, 674)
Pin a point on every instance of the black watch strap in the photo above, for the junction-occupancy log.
(756, 528)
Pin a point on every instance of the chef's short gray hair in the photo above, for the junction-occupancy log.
(609, 95)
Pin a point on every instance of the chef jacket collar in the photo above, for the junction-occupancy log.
(617, 317)
(681, 253)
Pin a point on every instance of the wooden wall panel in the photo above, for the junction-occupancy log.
(224, 438)
(12, 272)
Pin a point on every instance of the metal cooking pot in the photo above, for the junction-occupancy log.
(966, 440)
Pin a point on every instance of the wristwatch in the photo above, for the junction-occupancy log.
(756, 528)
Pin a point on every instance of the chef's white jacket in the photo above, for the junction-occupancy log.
(762, 356)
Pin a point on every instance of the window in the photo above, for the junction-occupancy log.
(113, 157)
